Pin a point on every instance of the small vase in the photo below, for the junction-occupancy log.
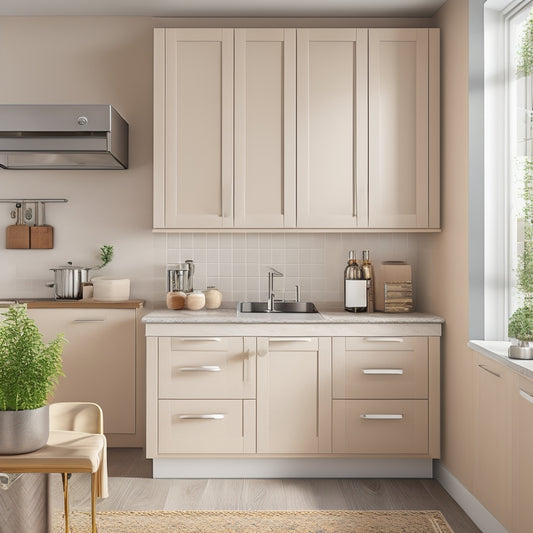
(522, 350)
(24, 431)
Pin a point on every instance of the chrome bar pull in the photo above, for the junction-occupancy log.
(215, 416)
(367, 416)
(202, 368)
(384, 371)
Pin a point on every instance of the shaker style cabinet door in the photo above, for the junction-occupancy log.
(98, 360)
(403, 116)
(193, 128)
(265, 128)
(492, 437)
(332, 144)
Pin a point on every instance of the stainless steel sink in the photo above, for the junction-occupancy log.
(279, 307)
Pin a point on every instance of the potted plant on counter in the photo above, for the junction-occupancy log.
(29, 371)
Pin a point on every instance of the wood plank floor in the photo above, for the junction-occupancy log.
(132, 488)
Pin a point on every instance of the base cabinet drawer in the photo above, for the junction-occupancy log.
(206, 426)
(380, 426)
(214, 367)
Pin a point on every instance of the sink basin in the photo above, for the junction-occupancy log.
(279, 307)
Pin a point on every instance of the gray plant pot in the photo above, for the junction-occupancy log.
(24, 431)
(522, 350)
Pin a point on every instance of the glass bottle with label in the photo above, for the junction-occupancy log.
(368, 274)
(355, 298)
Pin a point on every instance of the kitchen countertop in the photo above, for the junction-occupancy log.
(497, 350)
(330, 320)
(89, 303)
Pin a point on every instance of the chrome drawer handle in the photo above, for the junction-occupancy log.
(383, 339)
(89, 320)
(290, 339)
(381, 417)
(526, 396)
(198, 339)
(387, 371)
(203, 368)
(483, 367)
(202, 417)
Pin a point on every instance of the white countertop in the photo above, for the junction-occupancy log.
(497, 350)
(328, 313)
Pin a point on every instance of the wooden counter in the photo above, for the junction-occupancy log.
(89, 303)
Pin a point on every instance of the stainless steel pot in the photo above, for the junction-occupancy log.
(68, 281)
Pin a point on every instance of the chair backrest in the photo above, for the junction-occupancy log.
(77, 416)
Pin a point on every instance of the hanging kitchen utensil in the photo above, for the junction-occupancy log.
(41, 235)
(18, 235)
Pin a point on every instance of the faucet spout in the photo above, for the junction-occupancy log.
(272, 273)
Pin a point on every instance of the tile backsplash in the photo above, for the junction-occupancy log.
(236, 263)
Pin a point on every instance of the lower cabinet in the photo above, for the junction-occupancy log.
(99, 363)
(522, 405)
(294, 396)
(492, 434)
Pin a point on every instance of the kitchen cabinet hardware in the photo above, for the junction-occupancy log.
(89, 320)
(484, 367)
(526, 396)
(203, 368)
(198, 339)
(290, 339)
(216, 416)
(367, 416)
(384, 371)
(383, 339)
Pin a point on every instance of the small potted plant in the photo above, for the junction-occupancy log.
(29, 371)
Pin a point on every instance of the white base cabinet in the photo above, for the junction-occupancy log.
(293, 396)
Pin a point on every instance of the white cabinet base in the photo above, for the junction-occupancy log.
(184, 468)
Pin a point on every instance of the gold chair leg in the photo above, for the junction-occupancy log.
(94, 482)
(64, 478)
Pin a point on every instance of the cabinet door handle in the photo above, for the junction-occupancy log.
(197, 339)
(203, 368)
(290, 339)
(526, 396)
(381, 417)
(89, 320)
(387, 371)
(483, 367)
(215, 416)
(383, 339)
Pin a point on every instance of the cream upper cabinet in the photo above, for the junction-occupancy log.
(403, 128)
(265, 128)
(492, 434)
(296, 128)
(332, 128)
(293, 395)
(193, 128)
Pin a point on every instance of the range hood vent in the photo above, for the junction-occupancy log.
(62, 137)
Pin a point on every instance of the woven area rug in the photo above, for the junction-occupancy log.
(258, 522)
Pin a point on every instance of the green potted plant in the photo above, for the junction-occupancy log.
(29, 371)
(520, 325)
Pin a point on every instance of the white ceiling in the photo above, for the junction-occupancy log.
(224, 8)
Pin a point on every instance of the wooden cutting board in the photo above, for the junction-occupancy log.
(18, 236)
(41, 237)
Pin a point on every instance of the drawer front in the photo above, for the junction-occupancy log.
(301, 344)
(381, 369)
(206, 426)
(209, 369)
(380, 427)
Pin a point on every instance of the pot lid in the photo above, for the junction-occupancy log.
(70, 266)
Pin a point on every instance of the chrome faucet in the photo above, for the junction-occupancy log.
(272, 273)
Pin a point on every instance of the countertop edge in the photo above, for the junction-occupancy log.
(81, 304)
(497, 350)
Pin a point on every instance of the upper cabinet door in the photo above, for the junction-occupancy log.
(332, 128)
(193, 124)
(403, 128)
(265, 128)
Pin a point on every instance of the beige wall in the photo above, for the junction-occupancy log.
(443, 260)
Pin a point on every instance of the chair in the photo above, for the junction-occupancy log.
(84, 417)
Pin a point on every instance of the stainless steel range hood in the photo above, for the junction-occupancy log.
(62, 137)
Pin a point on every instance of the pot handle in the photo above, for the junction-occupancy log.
(50, 284)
